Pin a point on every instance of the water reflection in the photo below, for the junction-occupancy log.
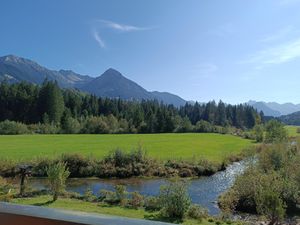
(204, 191)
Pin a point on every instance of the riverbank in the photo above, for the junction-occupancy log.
(83, 206)
(122, 164)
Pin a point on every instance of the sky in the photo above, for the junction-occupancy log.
(201, 50)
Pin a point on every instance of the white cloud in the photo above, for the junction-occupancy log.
(121, 27)
(112, 26)
(98, 38)
(277, 54)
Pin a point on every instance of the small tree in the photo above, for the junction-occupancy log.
(258, 133)
(121, 194)
(275, 132)
(57, 176)
(269, 203)
(174, 199)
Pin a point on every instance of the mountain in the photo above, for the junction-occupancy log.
(168, 97)
(291, 119)
(275, 109)
(262, 106)
(110, 84)
(113, 84)
(284, 109)
(16, 69)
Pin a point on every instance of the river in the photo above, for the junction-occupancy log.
(204, 191)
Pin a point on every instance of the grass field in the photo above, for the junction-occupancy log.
(78, 205)
(292, 131)
(161, 146)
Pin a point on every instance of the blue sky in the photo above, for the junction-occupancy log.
(232, 50)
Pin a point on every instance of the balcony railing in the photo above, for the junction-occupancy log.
(13, 214)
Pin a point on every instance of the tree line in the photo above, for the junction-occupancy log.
(72, 111)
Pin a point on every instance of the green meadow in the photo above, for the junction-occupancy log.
(82, 206)
(160, 146)
(292, 130)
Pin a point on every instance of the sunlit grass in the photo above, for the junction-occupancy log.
(292, 130)
(78, 205)
(160, 146)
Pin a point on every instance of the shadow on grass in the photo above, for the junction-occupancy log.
(158, 217)
(43, 203)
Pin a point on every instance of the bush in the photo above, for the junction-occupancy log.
(75, 163)
(108, 196)
(40, 165)
(57, 176)
(95, 125)
(136, 200)
(5, 190)
(151, 203)
(8, 168)
(174, 199)
(121, 164)
(275, 132)
(41, 128)
(197, 212)
(71, 126)
(89, 196)
(204, 127)
(12, 127)
(121, 194)
(258, 131)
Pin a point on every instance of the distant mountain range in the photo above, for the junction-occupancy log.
(275, 109)
(291, 119)
(110, 84)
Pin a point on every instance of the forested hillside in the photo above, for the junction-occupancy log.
(50, 109)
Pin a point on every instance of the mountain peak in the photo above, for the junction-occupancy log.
(11, 58)
(112, 73)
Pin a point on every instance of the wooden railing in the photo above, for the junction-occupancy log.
(13, 214)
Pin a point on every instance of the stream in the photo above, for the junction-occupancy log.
(204, 190)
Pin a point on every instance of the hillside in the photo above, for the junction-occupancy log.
(291, 119)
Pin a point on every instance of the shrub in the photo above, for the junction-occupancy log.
(108, 197)
(44, 128)
(151, 203)
(204, 127)
(268, 199)
(258, 131)
(40, 165)
(8, 168)
(121, 194)
(136, 200)
(75, 163)
(197, 212)
(275, 132)
(71, 126)
(174, 199)
(5, 190)
(12, 127)
(121, 164)
(89, 196)
(57, 176)
(95, 125)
